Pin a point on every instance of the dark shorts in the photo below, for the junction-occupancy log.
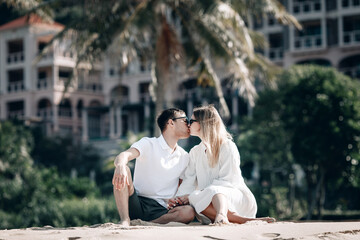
(143, 208)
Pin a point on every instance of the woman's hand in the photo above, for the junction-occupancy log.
(178, 201)
(120, 179)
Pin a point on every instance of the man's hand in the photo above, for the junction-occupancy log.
(178, 201)
(120, 178)
(121, 175)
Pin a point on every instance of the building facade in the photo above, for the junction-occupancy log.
(330, 35)
(98, 103)
(102, 103)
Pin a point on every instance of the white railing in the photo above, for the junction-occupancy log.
(192, 93)
(351, 37)
(91, 87)
(16, 114)
(16, 86)
(65, 112)
(121, 99)
(47, 55)
(145, 67)
(64, 53)
(44, 113)
(145, 97)
(43, 83)
(94, 78)
(308, 42)
(276, 54)
(198, 93)
(306, 7)
(350, 3)
(15, 57)
(63, 80)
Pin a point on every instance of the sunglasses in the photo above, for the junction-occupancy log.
(191, 121)
(188, 121)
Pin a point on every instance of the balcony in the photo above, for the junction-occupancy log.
(47, 56)
(308, 42)
(16, 114)
(145, 67)
(17, 86)
(200, 93)
(305, 7)
(351, 37)
(44, 113)
(145, 97)
(350, 3)
(16, 57)
(65, 112)
(276, 54)
(123, 100)
(43, 83)
(90, 87)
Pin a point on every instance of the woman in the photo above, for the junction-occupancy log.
(213, 177)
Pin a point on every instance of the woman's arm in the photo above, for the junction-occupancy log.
(229, 165)
(189, 182)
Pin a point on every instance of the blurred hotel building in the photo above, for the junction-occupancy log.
(101, 103)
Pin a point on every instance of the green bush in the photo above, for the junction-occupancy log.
(277, 203)
(79, 212)
(63, 213)
(35, 196)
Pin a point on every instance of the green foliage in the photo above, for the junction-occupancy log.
(18, 180)
(321, 112)
(124, 145)
(65, 154)
(63, 213)
(312, 119)
(31, 195)
(88, 211)
(60, 187)
(277, 203)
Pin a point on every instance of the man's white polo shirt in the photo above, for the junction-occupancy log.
(158, 168)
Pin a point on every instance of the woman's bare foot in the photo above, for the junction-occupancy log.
(221, 219)
(267, 219)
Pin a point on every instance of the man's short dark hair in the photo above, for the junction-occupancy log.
(167, 114)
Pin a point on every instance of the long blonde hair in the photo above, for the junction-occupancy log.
(212, 131)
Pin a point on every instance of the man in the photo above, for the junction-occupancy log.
(159, 168)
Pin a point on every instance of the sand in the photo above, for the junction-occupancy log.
(145, 230)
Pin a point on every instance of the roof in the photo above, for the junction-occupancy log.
(28, 20)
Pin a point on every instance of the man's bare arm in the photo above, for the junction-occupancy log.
(121, 178)
(124, 157)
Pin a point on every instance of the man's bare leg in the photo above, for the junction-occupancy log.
(182, 214)
(211, 213)
(122, 200)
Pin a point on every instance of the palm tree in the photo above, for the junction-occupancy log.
(168, 32)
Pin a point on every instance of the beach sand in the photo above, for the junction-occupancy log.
(172, 231)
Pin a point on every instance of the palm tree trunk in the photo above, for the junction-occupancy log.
(224, 110)
(314, 192)
(310, 195)
(321, 193)
(162, 65)
(160, 96)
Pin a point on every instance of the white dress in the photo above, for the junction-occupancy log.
(202, 182)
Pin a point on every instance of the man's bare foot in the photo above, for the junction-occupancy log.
(125, 223)
(221, 219)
